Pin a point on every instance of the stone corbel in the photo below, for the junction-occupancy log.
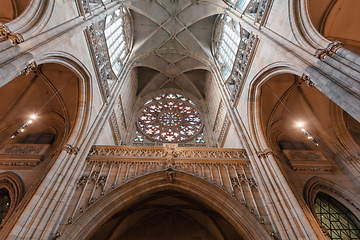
(29, 68)
(265, 153)
(329, 51)
(70, 149)
(6, 34)
(307, 80)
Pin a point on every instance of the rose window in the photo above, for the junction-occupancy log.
(170, 118)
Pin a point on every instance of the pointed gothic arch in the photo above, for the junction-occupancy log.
(123, 197)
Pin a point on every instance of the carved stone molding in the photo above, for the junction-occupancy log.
(115, 128)
(224, 130)
(329, 51)
(70, 149)
(307, 80)
(308, 161)
(29, 68)
(6, 34)
(22, 155)
(352, 160)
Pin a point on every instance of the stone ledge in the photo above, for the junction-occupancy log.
(308, 161)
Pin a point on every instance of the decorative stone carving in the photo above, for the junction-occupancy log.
(22, 155)
(6, 34)
(70, 149)
(329, 51)
(306, 160)
(223, 131)
(307, 80)
(115, 128)
(169, 176)
(29, 68)
(4, 31)
(241, 64)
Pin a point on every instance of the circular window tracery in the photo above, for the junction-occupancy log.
(170, 118)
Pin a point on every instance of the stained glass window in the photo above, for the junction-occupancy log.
(116, 40)
(170, 118)
(338, 221)
(4, 203)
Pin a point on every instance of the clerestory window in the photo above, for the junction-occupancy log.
(339, 222)
(116, 41)
(227, 42)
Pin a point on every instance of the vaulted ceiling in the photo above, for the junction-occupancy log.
(171, 41)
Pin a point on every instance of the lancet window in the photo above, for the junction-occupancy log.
(339, 222)
(170, 118)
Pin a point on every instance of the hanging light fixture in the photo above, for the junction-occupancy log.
(299, 124)
(33, 116)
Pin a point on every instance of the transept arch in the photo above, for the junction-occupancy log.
(139, 189)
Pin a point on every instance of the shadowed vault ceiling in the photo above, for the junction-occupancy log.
(171, 38)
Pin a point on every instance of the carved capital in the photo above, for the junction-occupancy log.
(70, 149)
(265, 153)
(329, 51)
(29, 68)
(16, 38)
(307, 80)
(4, 31)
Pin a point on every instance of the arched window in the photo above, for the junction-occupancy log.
(227, 40)
(170, 118)
(116, 40)
(335, 218)
(5, 202)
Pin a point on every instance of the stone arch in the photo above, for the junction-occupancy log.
(254, 107)
(320, 22)
(317, 184)
(235, 213)
(15, 187)
(28, 17)
(70, 114)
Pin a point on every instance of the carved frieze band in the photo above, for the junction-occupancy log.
(140, 152)
(115, 128)
(6, 34)
(329, 51)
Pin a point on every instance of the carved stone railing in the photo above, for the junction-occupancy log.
(22, 155)
(241, 64)
(308, 161)
(110, 167)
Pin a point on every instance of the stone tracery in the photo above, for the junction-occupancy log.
(170, 118)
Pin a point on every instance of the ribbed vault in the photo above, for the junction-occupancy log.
(170, 42)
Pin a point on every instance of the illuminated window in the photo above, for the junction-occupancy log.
(228, 41)
(116, 40)
(338, 221)
(4, 203)
(170, 118)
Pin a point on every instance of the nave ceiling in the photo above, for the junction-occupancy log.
(171, 41)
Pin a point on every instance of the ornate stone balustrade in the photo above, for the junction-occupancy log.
(307, 161)
(110, 167)
(22, 155)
